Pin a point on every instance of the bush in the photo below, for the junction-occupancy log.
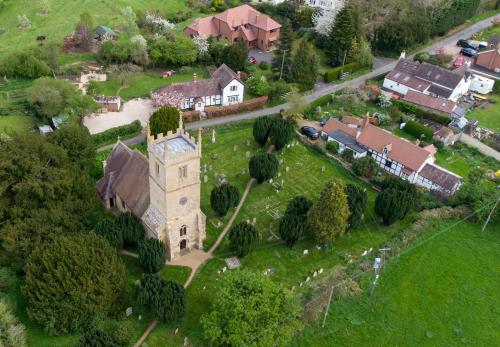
(24, 64)
(281, 132)
(152, 255)
(243, 238)
(7, 279)
(130, 227)
(366, 167)
(86, 278)
(418, 112)
(332, 147)
(336, 73)
(261, 129)
(166, 299)
(294, 222)
(108, 229)
(264, 65)
(397, 199)
(223, 197)
(418, 130)
(96, 338)
(163, 120)
(13, 333)
(249, 105)
(348, 155)
(263, 166)
(357, 200)
(112, 134)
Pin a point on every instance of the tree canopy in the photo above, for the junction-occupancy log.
(131, 228)
(281, 132)
(70, 279)
(294, 222)
(263, 166)
(357, 200)
(77, 142)
(282, 57)
(235, 55)
(152, 254)
(261, 129)
(328, 217)
(305, 65)
(108, 229)
(366, 167)
(250, 309)
(94, 337)
(165, 299)
(397, 199)
(163, 120)
(223, 197)
(243, 238)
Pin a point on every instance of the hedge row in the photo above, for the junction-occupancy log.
(336, 73)
(416, 129)
(406, 107)
(252, 104)
(113, 133)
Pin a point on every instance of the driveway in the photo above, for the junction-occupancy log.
(261, 55)
(135, 109)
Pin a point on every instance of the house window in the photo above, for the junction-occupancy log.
(157, 169)
(183, 230)
(233, 98)
(183, 171)
(233, 88)
(388, 163)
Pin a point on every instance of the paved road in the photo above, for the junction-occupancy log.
(324, 89)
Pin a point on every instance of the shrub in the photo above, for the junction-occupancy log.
(294, 222)
(249, 105)
(24, 64)
(261, 129)
(166, 299)
(7, 279)
(13, 333)
(281, 132)
(347, 155)
(264, 65)
(263, 166)
(336, 73)
(257, 85)
(152, 255)
(397, 199)
(365, 167)
(96, 338)
(223, 197)
(332, 147)
(163, 120)
(108, 229)
(112, 134)
(86, 278)
(418, 112)
(243, 238)
(418, 130)
(130, 227)
(357, 200)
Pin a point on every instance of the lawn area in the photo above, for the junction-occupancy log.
(443, 293)
(16, 124)
(488, 117)
(63, 16)
(141, 84)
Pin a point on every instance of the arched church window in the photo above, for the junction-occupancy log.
(183, 230)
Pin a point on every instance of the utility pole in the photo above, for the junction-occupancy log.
(489, 216)
(282, 63)
(327, 307)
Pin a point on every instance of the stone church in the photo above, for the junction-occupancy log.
(163, 189)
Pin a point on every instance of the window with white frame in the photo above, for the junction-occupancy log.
(233, 88)
(233, 98)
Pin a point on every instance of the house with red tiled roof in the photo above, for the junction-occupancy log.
(395, 155)
(242, 23)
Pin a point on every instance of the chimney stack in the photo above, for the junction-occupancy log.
(238, 74)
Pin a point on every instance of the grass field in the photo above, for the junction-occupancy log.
(443, 293)
(488, 117)
(63, 16)
(141, 84)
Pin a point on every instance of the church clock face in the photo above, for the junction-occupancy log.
(183, 200)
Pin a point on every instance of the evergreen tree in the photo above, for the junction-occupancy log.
(282, 131)
(71, 279)
(165, 299)
(243, 238)
(305, 65)
(389, 205)
(235, 55)
(261, 129)
(294, 222)
(131, 228)
(346, 30)
(329, 215)
(283, 54)
(108, 229)
(152, 255)
(263, 166)
(223, 197)
(163, 120)
(357, 200)
(94, 337)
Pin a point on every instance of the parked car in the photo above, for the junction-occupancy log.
(252, 60)
(459, 61)
(468, 52)
(466, 44)
(310, 132)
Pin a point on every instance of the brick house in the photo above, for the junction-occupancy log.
(242, 23)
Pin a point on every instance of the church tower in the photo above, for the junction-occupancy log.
(174, 214)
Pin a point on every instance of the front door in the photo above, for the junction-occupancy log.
(183, 244)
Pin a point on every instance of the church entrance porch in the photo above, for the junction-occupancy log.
(183, 245)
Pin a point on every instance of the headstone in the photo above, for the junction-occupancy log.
(308, 279)
(140, 317)
(248, 221)
(306, 251)
(204, 287)
(287, 168)
(320, 271)
(213, 135)
(218, 272)
(288, 146)
(315, 274)
(364, 253)
(271, 180)
(281, 161)
(233, 263)
(205, 179)
(248, 142)
(128, 311)
(293, 288)
(235, 148)
(279, 174)
(224, 269)
(186, 341)
(318, 247)
(323, 168)
(205, 168)
(210, 167)
(254, 220)
(176, 331)
(301, 284)
(247, 154)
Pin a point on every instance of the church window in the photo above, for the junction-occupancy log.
(183, 171)
(183, 230)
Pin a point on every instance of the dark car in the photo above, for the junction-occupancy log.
(323, 120)
(310, 132)
(468, 52)
(466, 44)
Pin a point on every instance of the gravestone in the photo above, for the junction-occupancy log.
(279, 174)
(140, 317)
(308, 279)
(205, 179)
(176, 331)
(186, 341)
(315, 274)
(233, 263)
(287, 168)
(247, 154)
(306, 251)
(235, 148)
(213, 135)
(320, 271)
(128, 311)
(323, 168)
(254, 220)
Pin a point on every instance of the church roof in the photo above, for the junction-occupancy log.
(127, 175)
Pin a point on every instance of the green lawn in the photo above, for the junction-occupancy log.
(63, 16)
(443, 293)
(488, 117)
(141, 84)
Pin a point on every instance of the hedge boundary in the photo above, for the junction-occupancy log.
(112, 134)
(336, 73)
(407, 107)
(221, 111)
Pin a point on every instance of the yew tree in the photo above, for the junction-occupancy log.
(243, 238)
(163, 120)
